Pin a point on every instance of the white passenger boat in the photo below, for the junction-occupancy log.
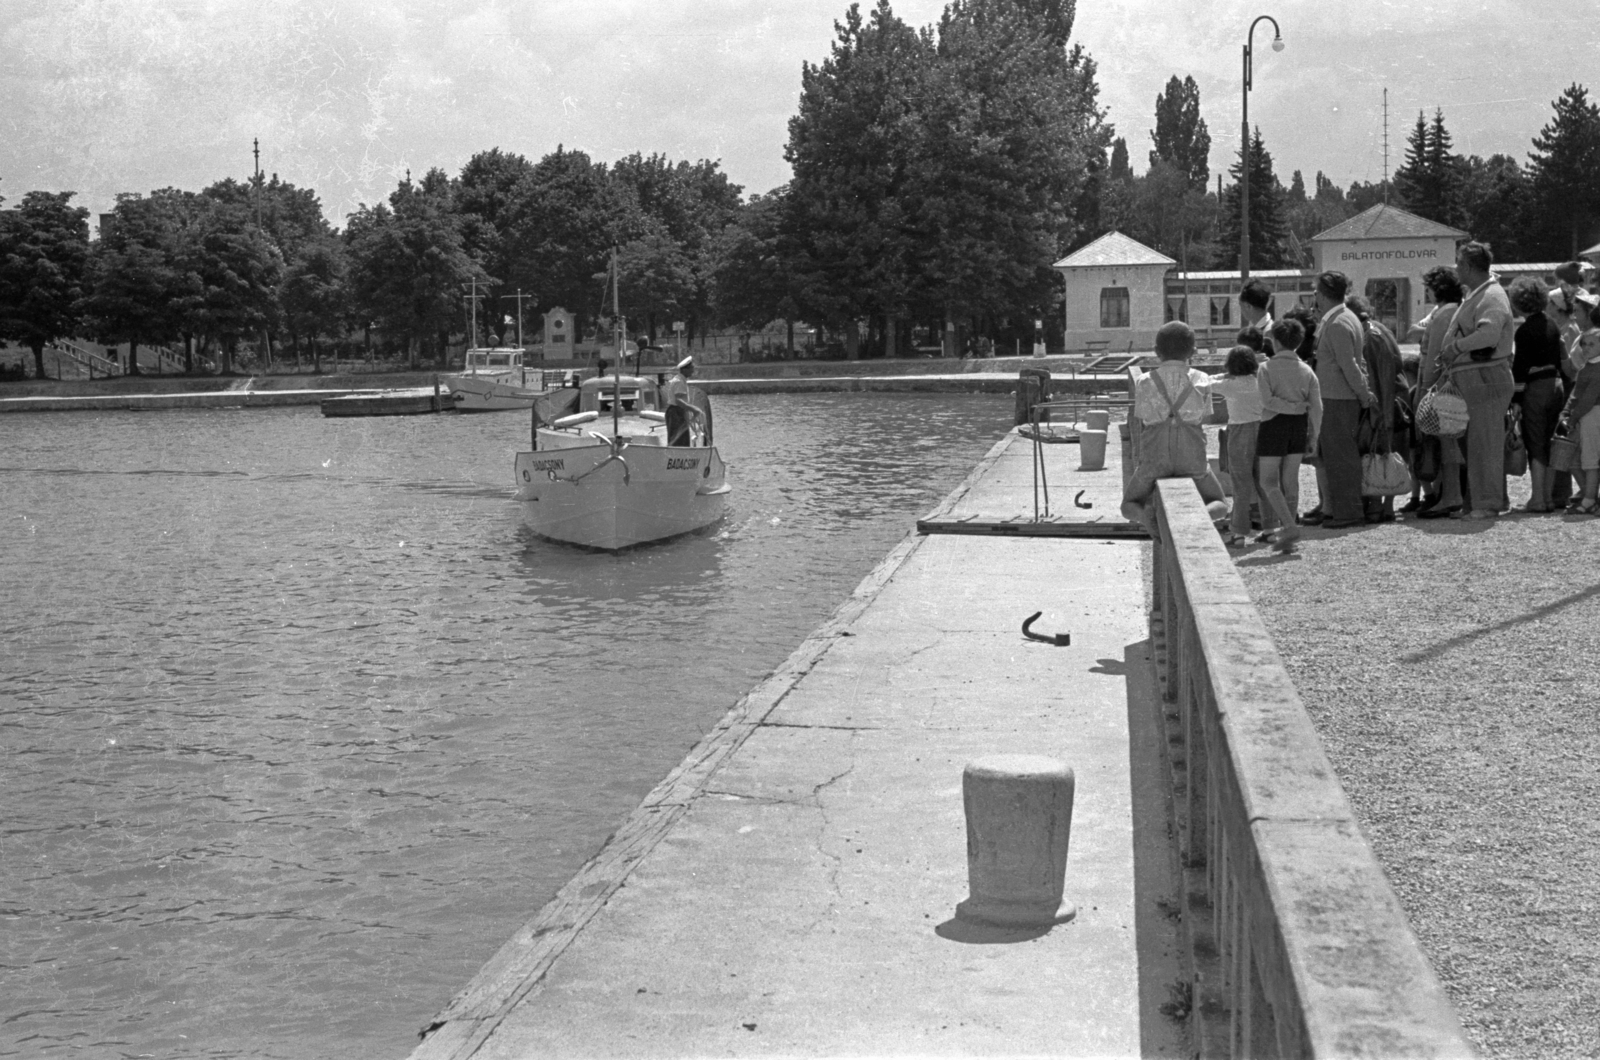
(495, 379)
(620, 470)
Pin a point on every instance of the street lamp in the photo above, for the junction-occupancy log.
(1244, 142)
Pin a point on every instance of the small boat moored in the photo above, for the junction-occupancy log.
(496, 379)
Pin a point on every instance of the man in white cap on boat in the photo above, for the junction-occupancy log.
(676, 393)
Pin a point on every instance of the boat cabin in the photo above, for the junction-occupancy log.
(637, 393)
(496, 360)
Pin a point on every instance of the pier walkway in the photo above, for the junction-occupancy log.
(790, 889)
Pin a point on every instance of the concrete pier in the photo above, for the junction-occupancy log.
(790, 888)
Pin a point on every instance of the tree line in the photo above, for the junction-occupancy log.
(1544, 209)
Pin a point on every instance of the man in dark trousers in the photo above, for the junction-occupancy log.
(1342, 374)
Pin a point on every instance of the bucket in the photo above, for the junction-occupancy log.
(1092, 450)
(1563, 454)
(1097, 419)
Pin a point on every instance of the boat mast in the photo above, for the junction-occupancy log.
(622, 352)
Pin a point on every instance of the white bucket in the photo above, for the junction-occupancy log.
(1092, 450)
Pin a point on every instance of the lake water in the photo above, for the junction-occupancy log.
(298, 723)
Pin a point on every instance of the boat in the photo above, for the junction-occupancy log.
(495, 379)
(614, 465)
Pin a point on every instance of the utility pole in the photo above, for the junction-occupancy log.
(520, 297)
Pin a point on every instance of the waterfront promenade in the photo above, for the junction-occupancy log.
(790, 889)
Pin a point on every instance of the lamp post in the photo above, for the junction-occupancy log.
(1244, 142)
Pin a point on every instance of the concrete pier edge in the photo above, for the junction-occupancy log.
(519, 965)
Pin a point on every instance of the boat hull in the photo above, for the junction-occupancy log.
(582, 496)
(483, 393)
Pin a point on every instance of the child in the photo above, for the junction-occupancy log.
(1584, 410)
(1291, 419)
(1240, 388)
(1169, 405)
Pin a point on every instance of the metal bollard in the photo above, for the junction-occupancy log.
(1019, 822)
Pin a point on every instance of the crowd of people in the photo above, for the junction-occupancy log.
(1504, 377)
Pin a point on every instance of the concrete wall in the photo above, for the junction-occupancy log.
(1300, 945)
(1146, 306)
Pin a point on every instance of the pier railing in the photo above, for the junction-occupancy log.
(1300, 946)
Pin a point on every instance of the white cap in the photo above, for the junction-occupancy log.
(687, 362)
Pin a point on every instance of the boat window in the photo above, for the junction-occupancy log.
(499, 360)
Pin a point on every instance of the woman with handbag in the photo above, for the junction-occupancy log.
(1536, 356)
(1437, 461)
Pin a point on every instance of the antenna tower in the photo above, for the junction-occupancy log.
(1386, 147)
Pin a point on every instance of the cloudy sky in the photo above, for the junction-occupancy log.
(103, 96)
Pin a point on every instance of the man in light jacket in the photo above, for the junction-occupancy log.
(1342, 375)
(1478, 352)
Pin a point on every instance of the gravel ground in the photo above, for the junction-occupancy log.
(1453, 671)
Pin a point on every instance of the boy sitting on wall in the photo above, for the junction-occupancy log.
(1169, 405)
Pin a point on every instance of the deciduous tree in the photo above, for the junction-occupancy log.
(1180, 135)
(44, 245)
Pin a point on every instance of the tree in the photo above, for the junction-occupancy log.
(488, 195)
(851, 145)
(560, 228)
(313, 293)
(1496, 206)
(1171, 215)
(752, 282)
(407, 264)
(1431, 181)
(1180, 135)
(1268, 231)
(1563, 165)
(1120, 167)
(655, 278)
(238, 269)
(44, 245)
(139, 280)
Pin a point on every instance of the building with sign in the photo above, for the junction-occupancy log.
(558, 333)
(1119, 291)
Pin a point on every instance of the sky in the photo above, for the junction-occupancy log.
(108, 96)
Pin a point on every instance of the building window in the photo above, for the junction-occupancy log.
(1177, 307)
(1113, 307)
(1221, 311)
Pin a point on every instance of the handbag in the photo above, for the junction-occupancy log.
(1442, 411)
(1516, 452)
(1384, 475)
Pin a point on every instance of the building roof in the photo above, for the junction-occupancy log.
(1255, 274)
(1592, 252)
(1114, 250)
(1388, 222)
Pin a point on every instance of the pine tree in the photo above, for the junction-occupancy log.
(1432, 181)
(1564, 166)
(1268, 230)
(1180, 135)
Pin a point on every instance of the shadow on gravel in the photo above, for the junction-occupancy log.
(1530, 616)
(957, 930)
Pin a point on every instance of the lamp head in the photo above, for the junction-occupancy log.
(1277, 44)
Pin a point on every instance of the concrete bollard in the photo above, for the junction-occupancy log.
(1091, 450)
(1097, 419)
(1019, 822)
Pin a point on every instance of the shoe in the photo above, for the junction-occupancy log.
(1286, 541)
(1532, 509)
(1591, 507)
(1439, 511)
(1342, 524)
(1312, 518)
(1268, 538)
(1410, 506)
(1234, 540)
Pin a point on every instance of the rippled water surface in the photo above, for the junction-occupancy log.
(298, 724)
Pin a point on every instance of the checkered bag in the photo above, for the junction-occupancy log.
(1442, 411)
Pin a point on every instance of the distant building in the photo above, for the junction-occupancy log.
(1119, 291)
(1114, 293)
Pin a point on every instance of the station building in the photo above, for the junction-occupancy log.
(1119, 292)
